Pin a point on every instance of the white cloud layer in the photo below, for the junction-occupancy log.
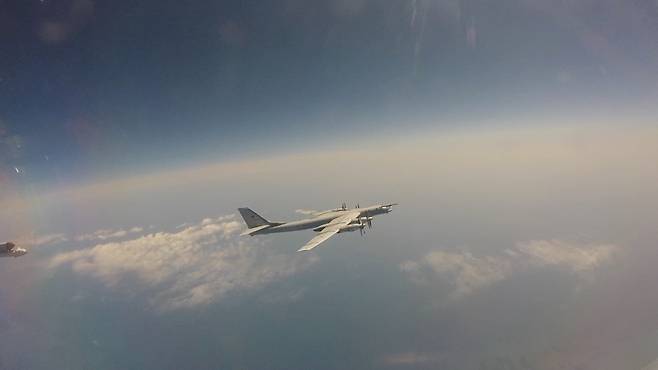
(196, 265)
(105, 234)
(470, 273)
(39, 240)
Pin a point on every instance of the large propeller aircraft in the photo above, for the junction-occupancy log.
(11, 250)
(326, 223)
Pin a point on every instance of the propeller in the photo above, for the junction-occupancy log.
(362, 229)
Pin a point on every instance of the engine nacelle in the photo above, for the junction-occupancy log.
(320, 228)
(349, 228)
(361, 220)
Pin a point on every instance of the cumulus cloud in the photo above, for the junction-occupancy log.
(556, 252)
(192, 266)
(105, 234)
(57, 238)
(470, 273)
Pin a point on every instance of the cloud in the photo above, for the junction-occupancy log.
(470, 273)
(105, 234)
(39, 240)
(197, 265)
(575, 257)
(57, 238)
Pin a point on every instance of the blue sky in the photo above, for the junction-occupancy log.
(93, 88)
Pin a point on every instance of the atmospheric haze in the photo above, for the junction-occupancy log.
(513, 247)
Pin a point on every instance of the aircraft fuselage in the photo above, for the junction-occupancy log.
(323, 219)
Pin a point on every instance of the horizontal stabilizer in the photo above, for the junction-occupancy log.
(253, 230)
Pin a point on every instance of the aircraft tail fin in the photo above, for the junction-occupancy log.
(252, 219)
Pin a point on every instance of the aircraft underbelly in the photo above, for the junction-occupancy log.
(297, 225)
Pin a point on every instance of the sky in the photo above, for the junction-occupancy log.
(97, 88)
(519, 139)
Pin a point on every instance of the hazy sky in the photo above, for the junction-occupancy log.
(518, 136)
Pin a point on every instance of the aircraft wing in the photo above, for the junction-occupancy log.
(322, 236)
(330, 230)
